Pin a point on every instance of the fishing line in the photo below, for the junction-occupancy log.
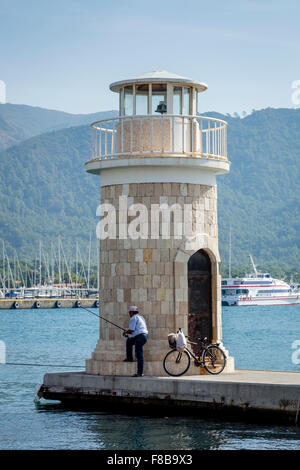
(62, 365)
(37, 365)
(102, 318)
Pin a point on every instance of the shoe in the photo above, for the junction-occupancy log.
(138, 375)
(128, 360)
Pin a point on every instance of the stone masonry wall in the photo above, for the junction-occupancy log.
(141, 272)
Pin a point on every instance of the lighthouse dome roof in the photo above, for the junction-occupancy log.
(158, 76)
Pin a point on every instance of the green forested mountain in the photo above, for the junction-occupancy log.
(45, 190)
(260, 196)
(19, 122)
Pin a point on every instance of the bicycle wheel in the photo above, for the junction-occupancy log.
(214, 359)
(176, 363)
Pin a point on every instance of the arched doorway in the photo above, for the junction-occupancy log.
(200, 296)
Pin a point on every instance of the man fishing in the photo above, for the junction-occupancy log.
(139, 336)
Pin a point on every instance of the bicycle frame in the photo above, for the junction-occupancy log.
(203, 348)
(197, 359)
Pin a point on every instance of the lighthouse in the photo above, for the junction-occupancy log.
(158, 161)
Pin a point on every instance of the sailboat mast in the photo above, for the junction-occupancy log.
(9, 273)
(19, 268)
(223, 265)
(76, 267)
(89, 262)
(15, 267)
(229, 261)
(59, 266)
(3, 261)
(98, 262)
(254, 267)
(52, 263)
(40, 266)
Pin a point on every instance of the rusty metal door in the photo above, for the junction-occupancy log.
(200, 301)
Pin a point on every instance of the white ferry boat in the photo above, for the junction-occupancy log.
(258, 289)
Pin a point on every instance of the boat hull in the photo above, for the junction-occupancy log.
(256, 301)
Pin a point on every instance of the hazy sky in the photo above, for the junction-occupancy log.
(63, 54)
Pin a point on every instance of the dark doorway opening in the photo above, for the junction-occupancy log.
(200, 297)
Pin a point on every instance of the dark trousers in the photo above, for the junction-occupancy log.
(138, 341)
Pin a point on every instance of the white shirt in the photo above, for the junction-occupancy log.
(138, 325)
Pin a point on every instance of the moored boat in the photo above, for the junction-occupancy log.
(258, 289)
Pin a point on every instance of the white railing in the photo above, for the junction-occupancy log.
(163, 135)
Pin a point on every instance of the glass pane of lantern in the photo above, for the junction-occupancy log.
(194, 101)
(122, 102)
(142, 96)
(159, 94)
(186, 101)
(177, 100)
(128, 100)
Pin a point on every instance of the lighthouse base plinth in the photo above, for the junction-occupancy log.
(108, 360)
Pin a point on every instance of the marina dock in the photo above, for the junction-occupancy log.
(245, 395)
(14, 303)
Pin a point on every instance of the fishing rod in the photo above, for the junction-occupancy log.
(102, 318)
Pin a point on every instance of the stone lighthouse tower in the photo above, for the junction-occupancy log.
(158, 162)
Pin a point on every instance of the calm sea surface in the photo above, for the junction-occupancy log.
(258, 338)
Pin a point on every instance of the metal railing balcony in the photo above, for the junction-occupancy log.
(162, 135)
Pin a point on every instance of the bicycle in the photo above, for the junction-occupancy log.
(211, 357)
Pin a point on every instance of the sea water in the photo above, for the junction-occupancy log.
(257, 337)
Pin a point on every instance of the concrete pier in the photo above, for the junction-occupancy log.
(262, 396)
(48, 303)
